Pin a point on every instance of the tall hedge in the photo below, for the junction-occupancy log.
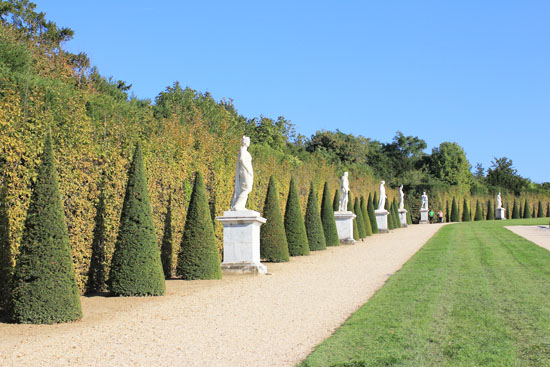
(198, 256)
(136, 269)
(366, 219)
(97, 274)
(273, 244)
(372, 216)
(466, 212)
(327, 218)
(336, 201)
(479, 212)
(6, 266)
(490, 210)
(515, 211)
(44, 286)
(166, 247)
(314, 227)
(359, 218)
(526, 210)
(295, 228)
(455, 215)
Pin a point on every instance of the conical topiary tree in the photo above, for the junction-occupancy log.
(409, 218)
(466, 212)
(455, 215)
(314, 227)
(396, 213)
(372, 216)
(366, 219)
(356, 235)
(359, 218)
(515, 211)
(198, 256)
(548, 210)
(540, 211)
(327, 218)
(136, 269)
(166, 247)
(447, 212)
(44, 286)
(391, 224)
(490, 210)
(534, 213)
(375, 200)
(97, 274)
(479, 212)
(526, 210)
(295, 228)
(273, 244)
(336, 201)
(6, 265)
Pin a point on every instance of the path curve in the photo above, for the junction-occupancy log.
(271, 320)
(537, 234)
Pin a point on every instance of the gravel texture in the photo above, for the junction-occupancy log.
(537, 234)
(270, 320)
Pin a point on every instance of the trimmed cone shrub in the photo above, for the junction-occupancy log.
(366, 219)
(6, 266)
(396, 213)
(447, 212)
(515, 211)
(455, 216)
(314, 227)
(540, 211)
(97, 274)
(479, 212)
(327, 218)
(490, 210)
(548, 210)
(526, 210)
(198, 255)
(273, 245)
(136, 269)
(466, 212)
(166, 247)
(351, 209)
(409, 218)
(336, 201)
(372, 216)
(391, 223)
(375, 200)
(534, 213)
(359, 218)
(44, 286)
(295, 228)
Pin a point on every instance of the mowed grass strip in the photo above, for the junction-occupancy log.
(475, 295)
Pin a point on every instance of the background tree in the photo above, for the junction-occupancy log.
(502, 174)
(448, 163)
(295, 228)
(314, 227)
(327, 218)
(273, 244)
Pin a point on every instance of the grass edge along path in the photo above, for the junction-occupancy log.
(475, 294)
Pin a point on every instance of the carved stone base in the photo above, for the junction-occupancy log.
(500, 213)
(403, 218)
(382, 220)
(424, 216)
(244, 268)
(344, 227)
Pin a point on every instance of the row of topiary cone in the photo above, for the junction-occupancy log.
(518, 211)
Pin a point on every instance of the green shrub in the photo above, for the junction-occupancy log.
(396, 213)
(6, 266)
(372, 216)
(455, 215)
(409, 218)
(44, 286)
(166, 248)
(515, 211)
(479, 212)
(327, 218)
(136, 269)
(314, 227)
(273, 245)
(359, 219)
(375, 200)
(97, 274)
(526, 210)
(295, 228)
(391, 223)
(198, 256)
(447, 212)
(548, 210)
(356, 235)
(336, 201)
(466, 212)
(490, 210)
(366, 219)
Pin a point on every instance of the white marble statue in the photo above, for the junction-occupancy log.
(424, 202)
(244, 177)
(401, 198)
(499, 201)
(382, 199)
(344, 193)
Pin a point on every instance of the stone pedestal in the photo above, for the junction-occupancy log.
(403, 218)
(382, 220)
(344, 226)
(500, 213)
(241, 242)
(424, 216)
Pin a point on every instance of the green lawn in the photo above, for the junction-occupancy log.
(475, 295)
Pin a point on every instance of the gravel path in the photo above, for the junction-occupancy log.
(271, 320)
(537, 234)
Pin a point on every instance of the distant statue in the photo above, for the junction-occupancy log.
(401, 198)
(382, 200)
(424, 202)
(499, 201)
(244, 177)
(344, 193)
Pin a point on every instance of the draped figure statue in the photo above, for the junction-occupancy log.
(344, 193)
(244, 177)
(401, 198)
(382, 199)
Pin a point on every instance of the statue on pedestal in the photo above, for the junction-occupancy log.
(499, 201)
(344, 193)
(401, 198)
(424, 202)
(382, 200)
(244, 177)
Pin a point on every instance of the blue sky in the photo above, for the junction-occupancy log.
(469, 71)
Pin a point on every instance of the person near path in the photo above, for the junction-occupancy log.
(440, 216)
(431, 216)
